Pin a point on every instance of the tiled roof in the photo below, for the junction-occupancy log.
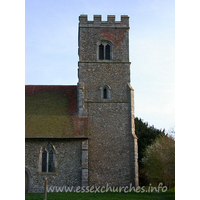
(51, 112)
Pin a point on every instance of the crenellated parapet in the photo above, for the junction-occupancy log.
(97, 22)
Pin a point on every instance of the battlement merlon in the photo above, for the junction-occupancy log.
(124, 23)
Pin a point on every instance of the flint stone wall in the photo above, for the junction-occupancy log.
(68, 163)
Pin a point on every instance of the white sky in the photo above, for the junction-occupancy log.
(51, 49)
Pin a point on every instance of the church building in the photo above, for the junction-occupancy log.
(84, 134)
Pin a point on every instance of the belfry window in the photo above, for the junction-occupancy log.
(105, 50)
(101, 52)
(48, 159)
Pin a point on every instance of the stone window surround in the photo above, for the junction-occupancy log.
(108, 88)
(40, 160)
(104, 43)
(84, 160)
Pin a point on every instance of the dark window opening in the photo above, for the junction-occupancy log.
(105, 96)
(50, 164)
(44, 161)
(107, 52)
(101, 52)
(48, 159)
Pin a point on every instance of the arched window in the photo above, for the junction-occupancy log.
(105, 95)
(101, 52)
(105, 50)
(48, 158)
(105, 92)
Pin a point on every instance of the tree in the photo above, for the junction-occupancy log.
(146, 136)
(159, 161)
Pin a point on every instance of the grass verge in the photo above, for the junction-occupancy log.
(169, 195)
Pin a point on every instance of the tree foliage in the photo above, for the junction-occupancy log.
(159, 161)
(146, 136)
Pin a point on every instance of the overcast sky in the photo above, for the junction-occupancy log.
(51, 49)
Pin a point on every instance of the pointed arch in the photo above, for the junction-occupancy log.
(105, 92)
(47, 159)
(107, 52)
(104, 50)
(101, 51)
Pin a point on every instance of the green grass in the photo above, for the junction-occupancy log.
(169, 195)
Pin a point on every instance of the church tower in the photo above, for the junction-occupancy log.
(106, 98)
